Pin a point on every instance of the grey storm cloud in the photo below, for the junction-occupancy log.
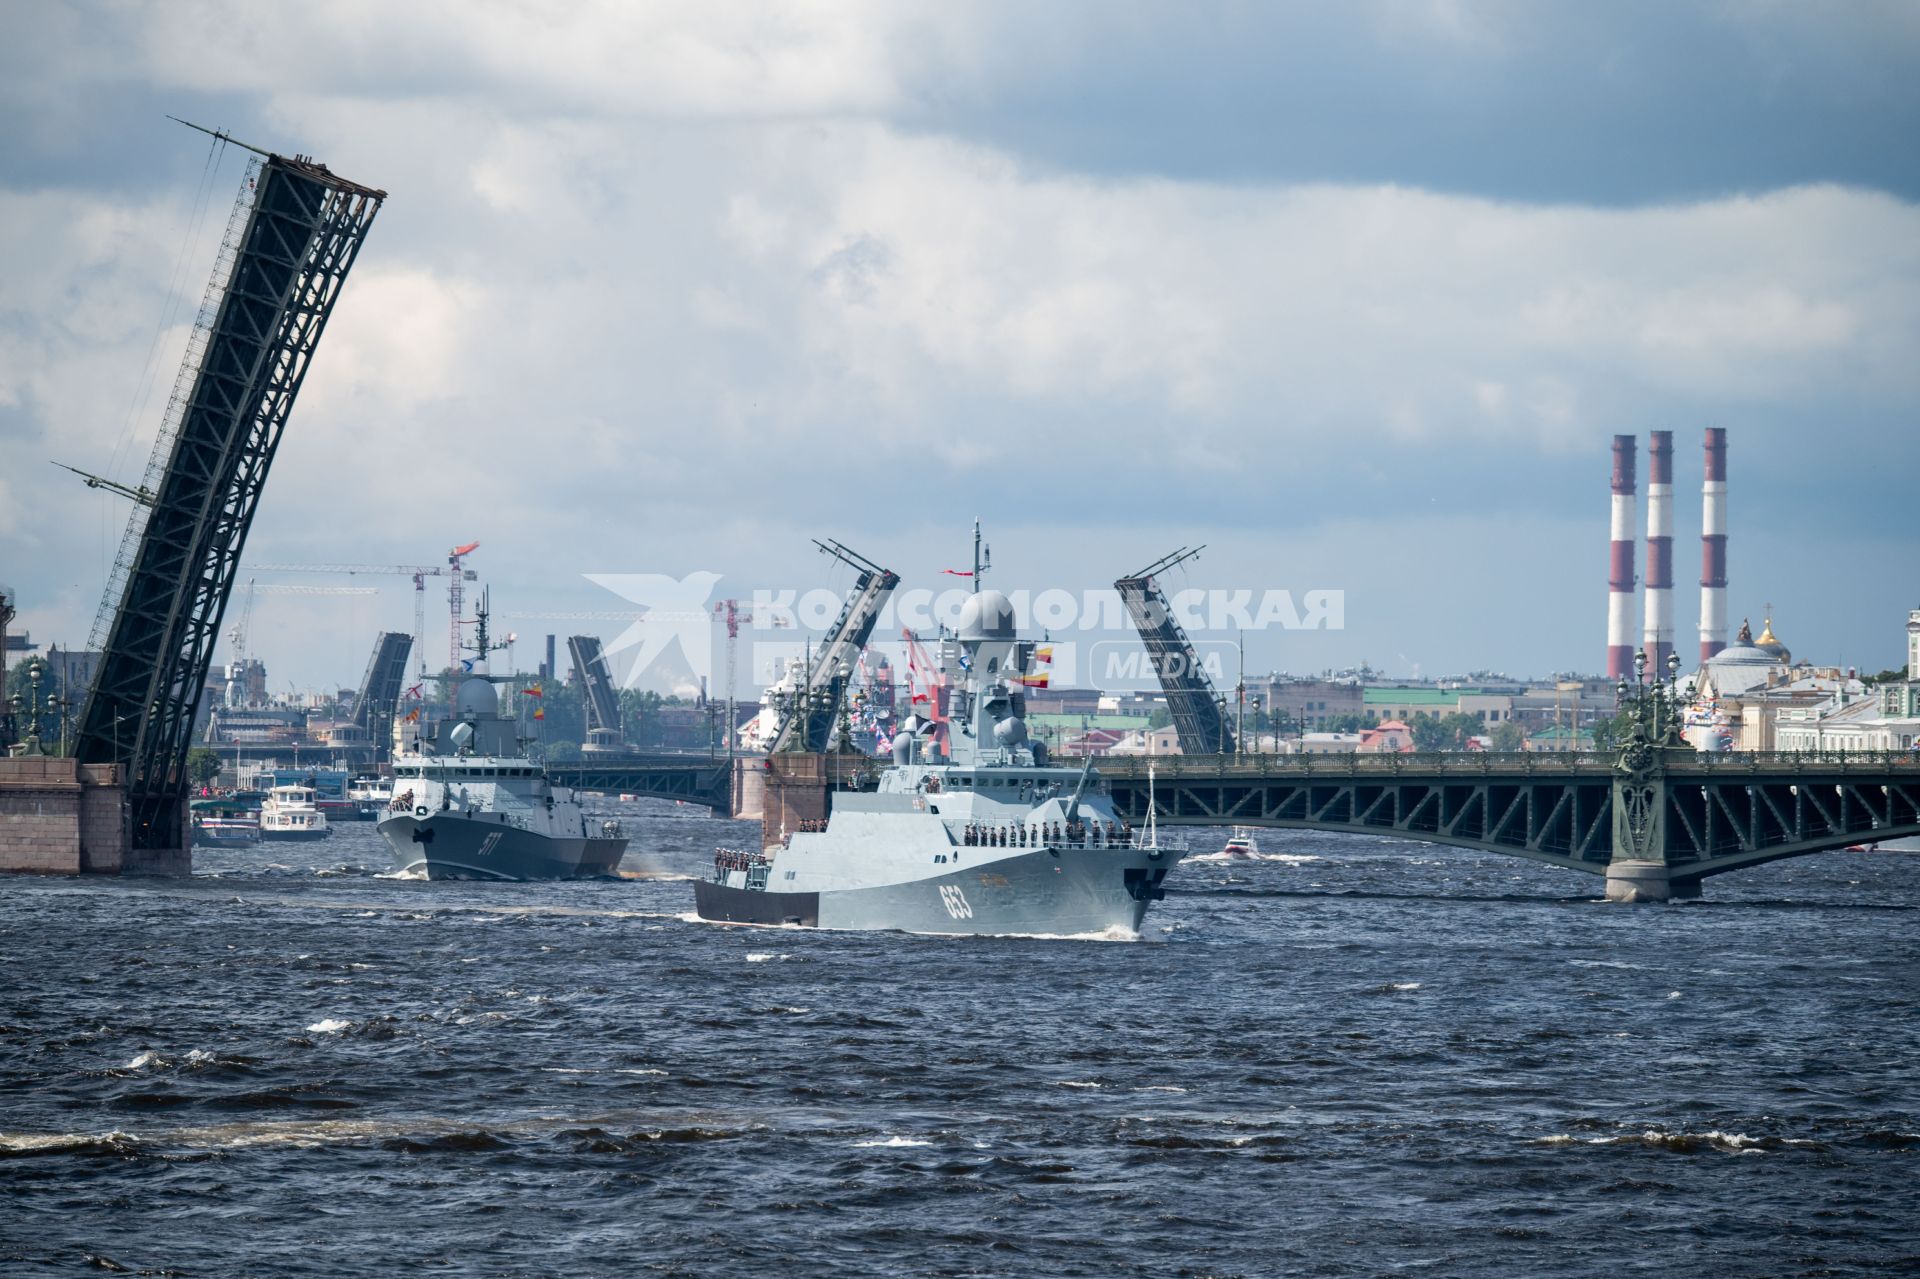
(1355, 294)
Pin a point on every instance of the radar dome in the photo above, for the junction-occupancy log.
(1010, 732)
(987, 615)
(477, 698)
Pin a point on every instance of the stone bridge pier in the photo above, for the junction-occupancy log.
(1639, 870)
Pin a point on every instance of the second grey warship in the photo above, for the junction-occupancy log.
(471, 804)
(972, 828)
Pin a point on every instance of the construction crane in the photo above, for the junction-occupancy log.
(419, 573)
(242, 627)
(237, 633)
(457, 575)
(733, 614)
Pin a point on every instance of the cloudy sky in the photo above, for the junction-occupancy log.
(1354, 294)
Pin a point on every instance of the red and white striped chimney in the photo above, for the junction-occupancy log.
(1657, 639)
(1713, 547)
(1620, 564)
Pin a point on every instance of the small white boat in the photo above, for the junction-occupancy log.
(369, 797)
(1241, 843)
(290, 813)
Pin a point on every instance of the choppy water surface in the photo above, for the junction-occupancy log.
(1356, 1057)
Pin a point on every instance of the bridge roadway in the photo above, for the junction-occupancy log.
(1654, 820)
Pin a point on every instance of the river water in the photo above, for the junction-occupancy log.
(1351, 1057)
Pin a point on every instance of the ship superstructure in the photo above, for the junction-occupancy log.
(973, 829)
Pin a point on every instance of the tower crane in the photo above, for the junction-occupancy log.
(242, 628)
(419, 573)
(237, 633)
(455, 570)
(732, 613)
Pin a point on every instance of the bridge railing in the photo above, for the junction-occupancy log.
(1472, 763)
(1880, 761)
(1350, 764)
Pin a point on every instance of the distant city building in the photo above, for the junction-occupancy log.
(1149, 741)
(1311, 703)
(1329, 743)
(1852, 718)
(1391, 738)
(1560, 739)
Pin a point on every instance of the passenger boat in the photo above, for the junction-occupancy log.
(224, 821)
(1241, 843)
(369, 797)
(289, 813)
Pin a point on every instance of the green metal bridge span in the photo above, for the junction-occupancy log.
(1654, 820)
(1654, 823)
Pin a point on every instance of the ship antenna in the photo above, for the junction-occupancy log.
(978, 567)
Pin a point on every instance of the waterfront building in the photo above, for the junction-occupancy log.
(1856, 718)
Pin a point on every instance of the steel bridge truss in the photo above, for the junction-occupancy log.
(1726, 823)
(1709, 817)
(294, 234)
(706, 781)
(1565, 821)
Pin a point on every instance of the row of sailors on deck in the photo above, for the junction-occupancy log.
(1095, 834)
(726, 859)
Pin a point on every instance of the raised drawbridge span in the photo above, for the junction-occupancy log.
(294, 233)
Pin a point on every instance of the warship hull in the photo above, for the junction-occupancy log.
(1054, 892)
(444, 846)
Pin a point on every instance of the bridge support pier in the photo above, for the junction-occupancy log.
(1632, 880)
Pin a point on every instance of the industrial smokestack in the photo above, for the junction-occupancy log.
(1713, 547)
(1620, 564)
(1657, 640)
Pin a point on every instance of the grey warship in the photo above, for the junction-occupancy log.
(972, 828)
(470, 804)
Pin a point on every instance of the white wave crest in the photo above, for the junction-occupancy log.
(329, 1026)
(894, 1142)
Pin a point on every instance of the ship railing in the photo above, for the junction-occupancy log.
(1018, 835)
